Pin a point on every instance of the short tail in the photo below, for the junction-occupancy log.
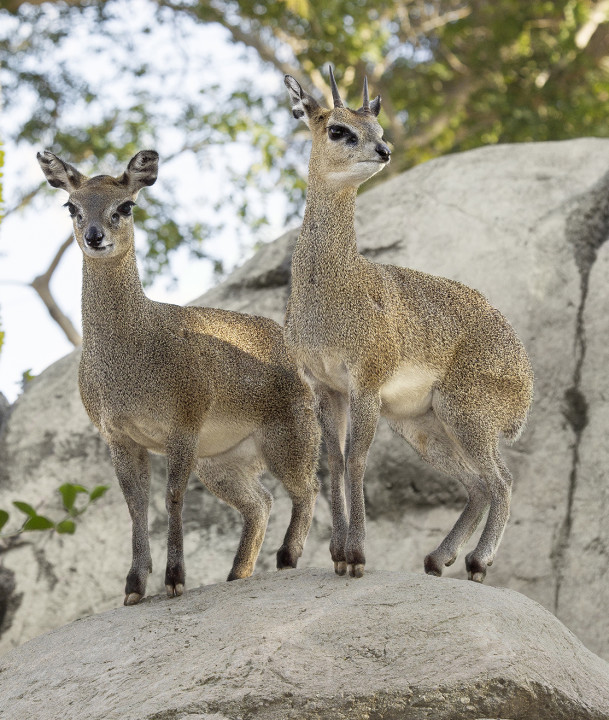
(512, 432)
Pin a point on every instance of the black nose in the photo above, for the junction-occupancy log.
(94, 236)
(383, 151)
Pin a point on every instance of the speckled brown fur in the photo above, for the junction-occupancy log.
(429, 354)
(213, 390)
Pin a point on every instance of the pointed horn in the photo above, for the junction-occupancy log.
(366, 104)
(335, 94)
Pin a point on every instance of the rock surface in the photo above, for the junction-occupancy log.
(305, 644)
(525, 224)
(5, 409)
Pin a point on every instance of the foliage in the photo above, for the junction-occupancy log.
(73, 507)
(453, 75)
(26, 377)
(139, 105)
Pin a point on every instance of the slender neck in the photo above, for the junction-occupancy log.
(112, 295)
(328, 227)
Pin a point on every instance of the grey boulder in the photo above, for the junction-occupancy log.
(305, 644)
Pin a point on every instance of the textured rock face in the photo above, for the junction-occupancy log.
(4, 409)
(305, 644)
(524, 224)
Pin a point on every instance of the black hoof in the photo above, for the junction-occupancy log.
(135, 584)
(175, 575)
(357, 570)
(355, 557)
(286, 559)
(476, 569)
(432, 567)
(340, 567)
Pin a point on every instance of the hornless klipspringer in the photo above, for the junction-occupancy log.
(429, 354)
(215, 391)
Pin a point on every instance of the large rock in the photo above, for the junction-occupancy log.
(4, 410)
(525, 224)
(307, 645)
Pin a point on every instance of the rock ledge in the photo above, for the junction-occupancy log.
(306, 644)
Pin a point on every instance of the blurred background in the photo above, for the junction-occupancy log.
(202, 82)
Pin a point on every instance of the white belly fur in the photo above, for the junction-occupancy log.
(408, 392)
(217, 435)
(221, 434)
(330, 371)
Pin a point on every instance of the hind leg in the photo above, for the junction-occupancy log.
(233, 477)
(476, 440)
(429, 437)
(290, 451)
(303, 504)
(499, 482)
(446, 552)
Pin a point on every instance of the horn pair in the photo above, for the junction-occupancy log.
(336, 95)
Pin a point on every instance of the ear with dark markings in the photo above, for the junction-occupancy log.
(143, 170)
(59, 174)
(303, 105)
(375, 105)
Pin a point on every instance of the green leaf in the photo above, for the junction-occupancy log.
(39, 522)
(98, 492)
(66, 527)
(69, 491)
(3, 518)
(25, 508)
(26, 377)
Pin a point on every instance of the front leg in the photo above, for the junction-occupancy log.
(332, 411)
(131, 465)
(364, 411)
(181, 451)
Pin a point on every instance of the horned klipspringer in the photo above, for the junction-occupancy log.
(429, 354)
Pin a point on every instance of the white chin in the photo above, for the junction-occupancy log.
(356, 175)
(98, 252)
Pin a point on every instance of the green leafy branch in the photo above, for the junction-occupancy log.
(73, 507)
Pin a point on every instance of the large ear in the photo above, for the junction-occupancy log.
(142, 170)
(59, 173)
(303, 105)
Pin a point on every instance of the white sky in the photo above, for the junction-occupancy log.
(29, 240)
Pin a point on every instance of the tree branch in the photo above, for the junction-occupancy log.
(25, 200)
(455, 100)
(239, 34)
(41, 285)
(599, 14)
(441, 20)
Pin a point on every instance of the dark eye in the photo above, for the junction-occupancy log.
(339, 132)
(125, 208)
(71, 208)
(336, 132)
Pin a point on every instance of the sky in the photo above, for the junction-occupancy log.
(30, 239)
